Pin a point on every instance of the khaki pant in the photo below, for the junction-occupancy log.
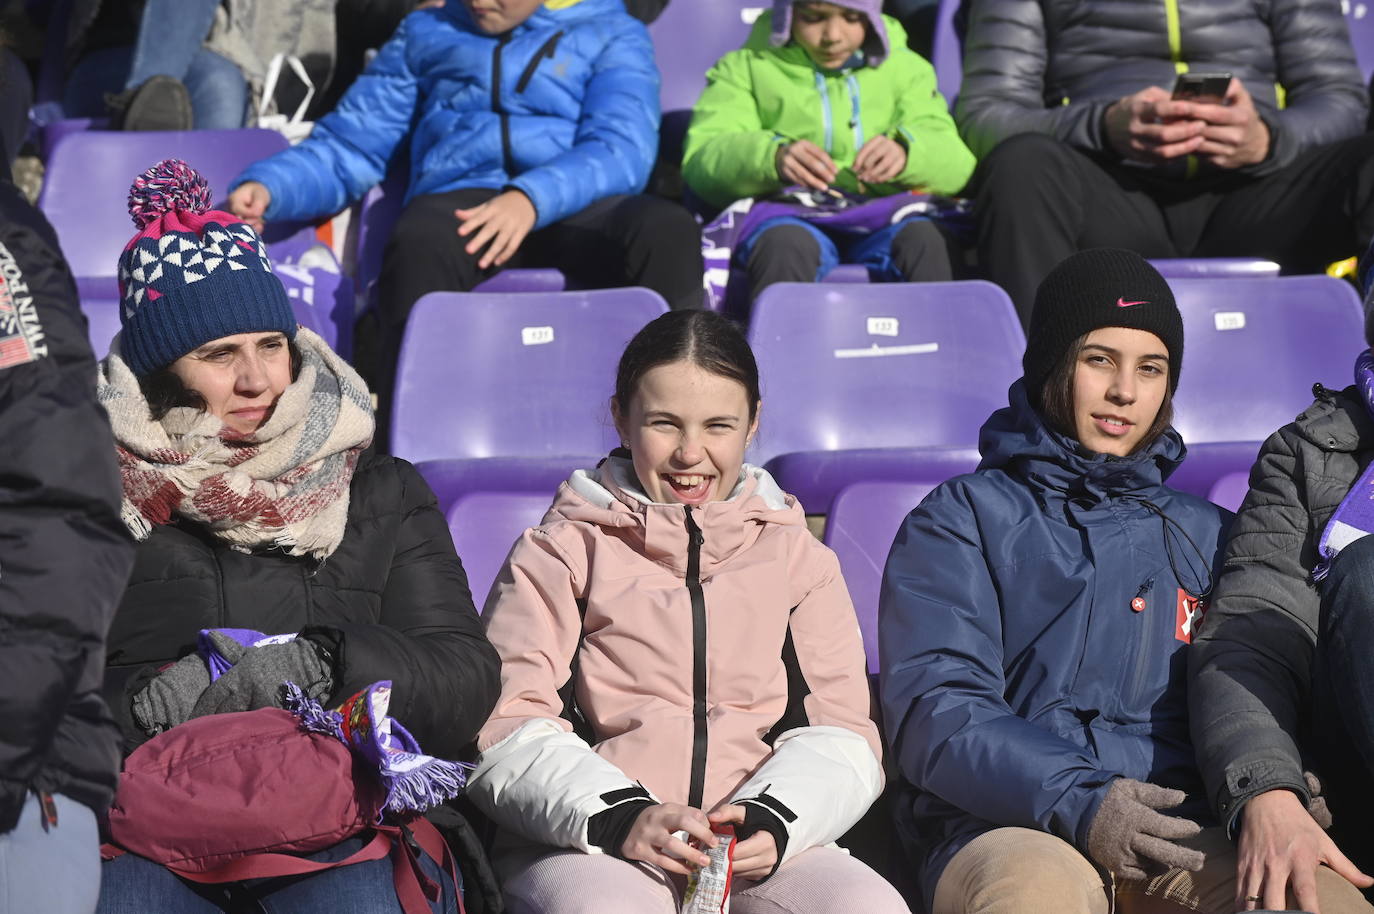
(1022, 871)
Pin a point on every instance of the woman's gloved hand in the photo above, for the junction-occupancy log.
(257, 675)
(169, 699)
(1129, 832)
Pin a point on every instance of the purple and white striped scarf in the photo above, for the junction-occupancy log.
(1354, 518)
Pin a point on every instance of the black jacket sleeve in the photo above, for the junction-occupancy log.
(429, 642)
(1250, 666)
(64, 554)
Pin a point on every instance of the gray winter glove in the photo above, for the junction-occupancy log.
(257, 675)
(1317, 807)
(169, 699)
(1128, 832)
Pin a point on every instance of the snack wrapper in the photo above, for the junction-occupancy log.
(708, 889)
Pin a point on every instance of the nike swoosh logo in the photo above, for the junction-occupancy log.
(1127, 304)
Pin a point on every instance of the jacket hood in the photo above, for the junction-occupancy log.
(610, 496)
(1337, 420)
(773, 29)
(549, 13)
(1016, 438)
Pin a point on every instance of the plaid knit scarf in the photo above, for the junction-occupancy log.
(285, 486)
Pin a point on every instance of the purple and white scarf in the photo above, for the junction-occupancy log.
(849, 213)
(1354, 518)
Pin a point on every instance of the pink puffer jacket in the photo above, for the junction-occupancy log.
(693, 620)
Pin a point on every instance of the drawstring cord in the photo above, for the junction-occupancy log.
(1205, 591)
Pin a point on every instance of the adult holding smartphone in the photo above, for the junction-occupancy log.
(1068, 105)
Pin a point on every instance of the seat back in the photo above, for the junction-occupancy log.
(882, 365)
(86, 185)
(1359, 17)
(1254, 348)
(102, 323)
(484, 526)
(689, 37)
(492, 374)
(1230, 490)
(862, 523)
(947, 50)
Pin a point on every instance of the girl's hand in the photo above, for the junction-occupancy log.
(880, 160)
(803, 162)
(651, 838)
(756, 855)
(499, 225)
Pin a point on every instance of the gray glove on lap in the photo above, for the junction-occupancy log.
(1128, 832)
(169, 699)
(257, 675)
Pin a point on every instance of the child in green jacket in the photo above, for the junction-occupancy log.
(827, 96)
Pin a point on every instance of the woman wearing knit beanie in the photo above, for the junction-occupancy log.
(260, 509)
(1035, 623)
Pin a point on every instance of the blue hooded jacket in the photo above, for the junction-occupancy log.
(563, 107)
(1019, 673)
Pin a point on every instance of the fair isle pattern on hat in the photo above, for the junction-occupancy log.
(191, 274)
(178, 258)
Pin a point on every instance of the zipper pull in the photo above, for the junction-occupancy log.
(48, 810)
(694, 534)
(1138, 604)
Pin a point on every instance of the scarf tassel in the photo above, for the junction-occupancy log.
(429, 784)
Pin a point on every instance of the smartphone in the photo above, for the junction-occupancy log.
(1202, 87)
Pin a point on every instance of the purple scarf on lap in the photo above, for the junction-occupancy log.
(1354, 518)
(833, 210)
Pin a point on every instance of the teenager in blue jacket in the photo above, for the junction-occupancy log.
(1035, 620)
(529, 129)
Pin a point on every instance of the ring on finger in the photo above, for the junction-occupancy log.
(1255, 898)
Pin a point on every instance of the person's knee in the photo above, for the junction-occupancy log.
(1014, 163)
(1335, 894)
(790, 241)
(920, 251)
(1019, 870)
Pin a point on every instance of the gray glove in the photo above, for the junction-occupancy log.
(1317, 807)
(169, 699)
(1128, 833)
(257, 675)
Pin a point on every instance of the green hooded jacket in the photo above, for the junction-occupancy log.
(761, 97)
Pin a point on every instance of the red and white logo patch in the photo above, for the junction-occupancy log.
(21, 334)
(1190, 611)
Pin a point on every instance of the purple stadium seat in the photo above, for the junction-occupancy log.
(1215, 268)
(1254, 349)
(947, 51)
(86, 186)
(102, 323)
(851, 372)
(1230, 490)
(485, 525)
(860, 528)
(498, 375)
(323, 301)
(1359, 16)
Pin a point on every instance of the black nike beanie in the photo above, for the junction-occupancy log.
(1099, 287)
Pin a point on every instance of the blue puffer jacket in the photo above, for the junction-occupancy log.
(564, 108)
(1018, 678)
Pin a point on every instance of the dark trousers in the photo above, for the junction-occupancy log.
(617, 241)
(1039, 200)
(791, 251)
(1343, 699)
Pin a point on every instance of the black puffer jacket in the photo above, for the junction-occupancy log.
(391, 602)
(1251, 665)
(64, 555)
(1101, 50)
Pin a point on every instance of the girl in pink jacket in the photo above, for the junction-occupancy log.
(678, 651)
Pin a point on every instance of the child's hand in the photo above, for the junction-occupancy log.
(756, 855)
(651, 837)
(249, 201)
(499, 225)
(880, 160)
(803, 162)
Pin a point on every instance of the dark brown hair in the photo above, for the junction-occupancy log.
(706, 339)
(165, 391)
(1056, 399)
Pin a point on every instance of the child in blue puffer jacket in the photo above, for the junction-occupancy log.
(530, 127)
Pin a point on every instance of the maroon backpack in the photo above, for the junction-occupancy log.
(237, 796)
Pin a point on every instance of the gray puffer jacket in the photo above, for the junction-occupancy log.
(1251, 665)
(1102, 50)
